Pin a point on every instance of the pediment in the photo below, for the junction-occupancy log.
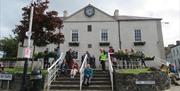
(82, 15)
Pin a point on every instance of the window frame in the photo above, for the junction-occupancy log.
(137, 35)
(89, 28)
(74, 31)
(101, 39)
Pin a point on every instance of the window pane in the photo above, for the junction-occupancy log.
(89, 28)
(74, 35)
(104, 35)
(137, 34)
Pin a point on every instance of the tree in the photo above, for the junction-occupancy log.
(44, 25)
(9, 45)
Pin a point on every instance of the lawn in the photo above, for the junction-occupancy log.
(134, 71)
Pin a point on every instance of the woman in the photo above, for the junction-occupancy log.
(75, 68)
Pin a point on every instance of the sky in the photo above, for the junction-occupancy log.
(168, 10)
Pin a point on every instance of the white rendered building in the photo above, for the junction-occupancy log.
(90, 29)
(175, 54)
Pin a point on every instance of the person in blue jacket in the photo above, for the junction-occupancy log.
(88, 73)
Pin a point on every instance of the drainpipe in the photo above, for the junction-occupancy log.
(119, 34)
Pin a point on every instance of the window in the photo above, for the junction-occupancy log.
(89, 28)
(89, 45)
(137, 33)
(177, 51)
(104, 35)
(75, 35)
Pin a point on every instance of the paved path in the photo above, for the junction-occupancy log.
(174, 88)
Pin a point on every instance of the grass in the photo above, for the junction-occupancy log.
(19, 70)
(134, 71)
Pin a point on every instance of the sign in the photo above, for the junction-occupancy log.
(27, 52)
(5, 76)
(145, 82)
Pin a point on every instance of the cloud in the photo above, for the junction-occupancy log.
(168, 10)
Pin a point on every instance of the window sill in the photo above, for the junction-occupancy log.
(104, 43)
(73, 43)
(141, 43)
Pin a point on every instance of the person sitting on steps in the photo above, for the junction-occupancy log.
(63, 68)
(75, 68)
(88, 73)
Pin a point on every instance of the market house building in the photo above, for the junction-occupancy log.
(90, 29)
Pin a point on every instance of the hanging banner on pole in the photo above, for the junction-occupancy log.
(27, 52)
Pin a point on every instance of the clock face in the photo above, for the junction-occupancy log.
(89, 11)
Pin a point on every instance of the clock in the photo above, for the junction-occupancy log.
(89, 11)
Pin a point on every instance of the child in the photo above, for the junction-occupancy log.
(75, 68)
(63, 68)
(88, 72)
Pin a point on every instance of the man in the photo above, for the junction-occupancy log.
(88, 72)
(46, 59)
(103, 58)
(69, 57)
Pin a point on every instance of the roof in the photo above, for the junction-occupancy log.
(126, 17)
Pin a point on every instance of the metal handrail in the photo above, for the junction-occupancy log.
(83, 66)
(111, 70)
(53, 70)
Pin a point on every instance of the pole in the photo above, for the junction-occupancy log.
(24, 84)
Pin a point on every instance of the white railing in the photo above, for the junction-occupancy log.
(83, 66)
(111, 70)
(52, 71)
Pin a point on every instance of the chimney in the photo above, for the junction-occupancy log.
(116, 12)
(178, 42)
(65, 13)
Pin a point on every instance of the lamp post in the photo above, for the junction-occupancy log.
(28, 34)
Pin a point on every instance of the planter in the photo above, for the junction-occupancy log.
(149, 58)
(73, 43)
(104, 44)
(139, 43)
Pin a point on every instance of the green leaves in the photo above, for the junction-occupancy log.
(9, 45)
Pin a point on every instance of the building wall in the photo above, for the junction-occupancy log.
(148, 34)
(92, 37)
(175, 51)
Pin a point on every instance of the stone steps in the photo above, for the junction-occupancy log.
(76, 87)
(99, 82)
(77, 82)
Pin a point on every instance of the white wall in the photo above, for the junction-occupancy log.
(175, 51)
(148, 34)
(93, 37)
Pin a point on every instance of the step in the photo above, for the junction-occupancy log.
(94, 75)
(79, 90)
(77, 78)
(77, 82)
(76, 87)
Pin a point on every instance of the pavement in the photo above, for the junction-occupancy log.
(174, 88)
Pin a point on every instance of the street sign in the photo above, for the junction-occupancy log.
(27, 52)
(5, 76)
(145, 82)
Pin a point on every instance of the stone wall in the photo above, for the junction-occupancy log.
(127, 82)
(15, 83)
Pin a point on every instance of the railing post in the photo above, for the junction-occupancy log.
(53, 70)
(110, 71)
(82, 71)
